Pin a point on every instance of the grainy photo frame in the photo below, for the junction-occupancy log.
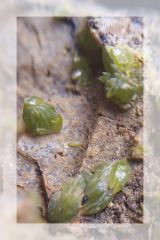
(80, 138)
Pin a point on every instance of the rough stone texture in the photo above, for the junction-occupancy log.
(44, 58)
(118, 30)
(111, 140)
(29, 186)
(113, 135)
(55, 158)
(45, 55)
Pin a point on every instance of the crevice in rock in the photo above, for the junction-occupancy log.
(39, 175)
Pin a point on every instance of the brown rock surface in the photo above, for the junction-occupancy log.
(45, 55)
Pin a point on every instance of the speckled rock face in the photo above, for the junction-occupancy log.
(56, 159)
(114, 132)
(105, 133)
(118, 30)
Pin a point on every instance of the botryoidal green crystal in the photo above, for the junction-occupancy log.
(103, 184)
(64, 205)
(40, 117)
(89, 193)
(82, 73)
(118, 176)
(89, 46)
(96, 193)
(123, 78)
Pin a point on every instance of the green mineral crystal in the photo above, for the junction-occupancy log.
(40, 117)
(97, 195)
(123, 78)
(118, 175)
(64, 205)
(89, 46)
(89, 193)
(81, 70)
(103, 184)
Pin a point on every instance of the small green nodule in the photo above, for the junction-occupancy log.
(40, 117)
(123, 78)
(103, 184)
(64, 205)
(119, 175)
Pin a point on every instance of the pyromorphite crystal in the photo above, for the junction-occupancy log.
(103, 184)
(89, 46)
(40, 117)
(123, 78)
(96, 193)
(64, 205)
(89, 193)
(81, 70)
(118, 175)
